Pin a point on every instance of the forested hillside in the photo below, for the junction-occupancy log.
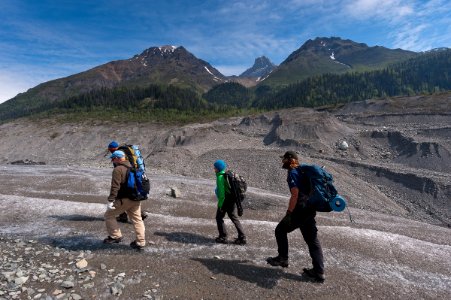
(424, 74)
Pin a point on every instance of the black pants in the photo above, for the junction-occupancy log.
(229, 208)
(304, 219)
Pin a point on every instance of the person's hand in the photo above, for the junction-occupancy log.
(287, 218)
(110, 206)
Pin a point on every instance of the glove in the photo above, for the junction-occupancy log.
(110, 206)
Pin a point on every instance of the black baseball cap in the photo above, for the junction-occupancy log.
(290, 154)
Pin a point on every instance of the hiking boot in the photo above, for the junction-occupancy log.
(134, 245)
(122, 218)
(278, 261)
(315, 275)
(221, 240)
(240, 241)
(110, 240)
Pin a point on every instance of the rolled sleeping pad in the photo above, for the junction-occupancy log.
(337, 203)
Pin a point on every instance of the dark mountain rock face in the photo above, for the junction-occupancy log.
(165, 65)
(171, 64)
(261, 68)
(327, 47)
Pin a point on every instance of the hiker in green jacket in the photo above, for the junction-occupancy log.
(226, 205)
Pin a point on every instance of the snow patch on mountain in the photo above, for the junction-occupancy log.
(167, 48)
(214, 76)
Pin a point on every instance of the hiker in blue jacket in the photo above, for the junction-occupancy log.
(300, 216)
(226, 205)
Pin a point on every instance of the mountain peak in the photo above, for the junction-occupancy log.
(327, 47)
(161, 51)
(167, 48)
(261, 68)
(333, 55)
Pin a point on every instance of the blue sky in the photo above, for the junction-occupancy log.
(42, 40)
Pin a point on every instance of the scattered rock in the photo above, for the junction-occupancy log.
(343, 145)
(67, 284)
(57, 292)
(76, 297)
(81, 264)
(175, 192)
(21, 280)
(116, 289)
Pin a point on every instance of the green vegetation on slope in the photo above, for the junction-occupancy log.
(424, 74)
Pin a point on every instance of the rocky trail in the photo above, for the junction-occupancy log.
(51, 246)
(390, 160)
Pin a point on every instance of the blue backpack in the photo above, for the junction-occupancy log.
(138, 184)
(322, 190)
(134, 156)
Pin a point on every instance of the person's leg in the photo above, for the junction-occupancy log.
(220, 223)
(287, 225)
(110, 220)
(231, 212)
(310, 234)
(134, 213)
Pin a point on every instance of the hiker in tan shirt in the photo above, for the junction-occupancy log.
(119, 201)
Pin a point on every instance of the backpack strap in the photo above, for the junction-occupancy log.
(227, 176)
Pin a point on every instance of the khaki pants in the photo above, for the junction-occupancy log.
(133, 209)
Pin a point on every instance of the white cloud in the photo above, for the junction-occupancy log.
(412, 25)
(384, 9)
(410, 37)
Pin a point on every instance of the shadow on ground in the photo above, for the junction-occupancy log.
(266, 277)
(83, 243)
(185, 237)
(77, 218)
